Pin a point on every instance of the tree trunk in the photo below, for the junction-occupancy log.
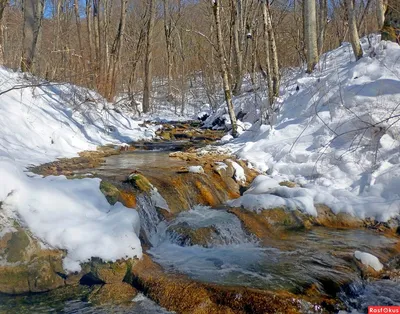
(354, 38)
(148, 57)
(237, 45)
(380, 12)
(267, 55)
(3, 4)
(168, 42)
(322, 20)
(310, 34)
(391, 28)
(116, 50)
(224, 70)
(33, 15)
(274, 55)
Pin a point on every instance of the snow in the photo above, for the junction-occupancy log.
(42, 123)
(239, 171)
(337, 134)
(368, 260)
(196, 169)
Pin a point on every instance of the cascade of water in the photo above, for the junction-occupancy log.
(227, 228)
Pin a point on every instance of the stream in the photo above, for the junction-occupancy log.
(226, 254)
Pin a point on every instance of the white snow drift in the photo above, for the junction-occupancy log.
(43, 123)
(336, 135)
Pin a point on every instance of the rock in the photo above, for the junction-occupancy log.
(25, 266)
(14, 279)
(116, 293)
(288, 184)
(180, 294)
(110, 191)
(271, 223)
(140, 182)
(328, 219)
(188, 236)
(109, 272)
(43, 274)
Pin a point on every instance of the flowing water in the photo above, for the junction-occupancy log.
(228, 255)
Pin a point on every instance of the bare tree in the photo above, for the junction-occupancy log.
(354, 38)
(33, 15)
(3, 4)
(322, 21)
(168, 31)
(310, 34)
(223, 66)
(116, 49)
(380, 12)
(148, 56)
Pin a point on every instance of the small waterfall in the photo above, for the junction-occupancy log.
(225, 228)
(149, 217)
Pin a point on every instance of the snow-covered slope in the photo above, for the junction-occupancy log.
(39, 124)
(337, 134)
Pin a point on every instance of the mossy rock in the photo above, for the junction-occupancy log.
(116, 293)
(40, 275)
(110, 191)
(43, 274)
(14, 279)
(18, 247)
(140, 182)
(166, 135)
(109, 272)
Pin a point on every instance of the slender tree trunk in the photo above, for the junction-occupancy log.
(354, 38)
(96, 31)
(168, 42)
(237, 45)
(322, 20)
(224, 70)
(267, 55)
(3, 4)
(380, 12)
(33, 15)
(89, 22)
(274, 56)
(148, 57)
(116, 50)
(310, 34)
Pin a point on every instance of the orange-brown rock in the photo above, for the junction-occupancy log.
(116, 293)
(180, 294)
(328, 219)
(271, 223)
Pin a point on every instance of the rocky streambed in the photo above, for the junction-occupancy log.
(201, 256)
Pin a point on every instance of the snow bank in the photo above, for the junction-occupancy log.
(337, 132)
(368, 260)
(40, 124)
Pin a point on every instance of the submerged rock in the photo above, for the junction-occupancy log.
(115, 293)
(180, 294)
(186, 235)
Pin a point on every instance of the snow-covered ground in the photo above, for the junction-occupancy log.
(40, 124)
(336, 135)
